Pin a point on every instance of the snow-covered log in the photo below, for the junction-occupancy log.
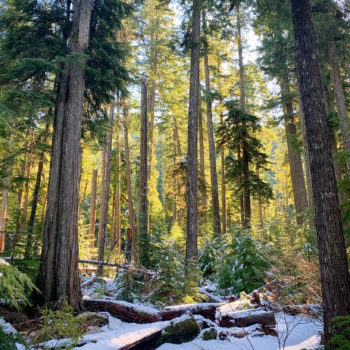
(206, 310)
(123, 310)
(227, 316)
(129, 312)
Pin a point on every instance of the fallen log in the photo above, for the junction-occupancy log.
(146, 340)
(120, 266)
(123, 310)
(206, 310)
(129, 312)
(212, 298)
(228, 317)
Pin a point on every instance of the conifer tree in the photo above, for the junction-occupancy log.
(335, 277)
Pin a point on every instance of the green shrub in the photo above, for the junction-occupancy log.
(129, 284)
(209, 256)
(242, 266)
(340, 341)
(169, 281)
(59, 324)
(15, 286)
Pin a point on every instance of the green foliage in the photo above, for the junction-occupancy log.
(8, 340)
(341, 326)
(238, 132)
(15, 286)
(170, 277)
(192, 280)
(210, 334)
(209, 256)
(129, 284)
(60, 324)
(242, 265)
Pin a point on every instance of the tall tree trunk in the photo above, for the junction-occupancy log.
(20, 204)
(29, 240)
(5, 193)
(222, 156)
(129, 187)
(334, 146)
(192, 150)
(260, 205)
(35, 199)
(150, 108)
(174, 183)
(178, 154)
(106, 176)
(335, 277)
(245, 155)
(92, 215)
(241, 196)
(59, 277)
(201, 162)
(295, 162)
(223, 189)
(340, 99)
(117, 222)
(143, 204)
(178, 145)
(212, 153)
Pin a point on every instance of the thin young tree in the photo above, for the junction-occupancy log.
(106, 177)
(92, 214)
(335, 277)
(143, 204)
(129, 186)
(5, 192)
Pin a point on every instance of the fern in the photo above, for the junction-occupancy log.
(15, 286)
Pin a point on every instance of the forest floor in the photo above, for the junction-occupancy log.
(292, 332)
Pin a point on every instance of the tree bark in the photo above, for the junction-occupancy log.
(143, 204)
(223, 185)
(295, 162)
(58, 278)
(335, 277)
(245, 203)
(117, 225)
(150, 107)
(129, 187)
(174, 184)
(340, 99)
(92, 216)
(212, 153)
(201, 162)
(5, 193)
(106, 176)
(29, 243)
(223, 189)
(192, 150)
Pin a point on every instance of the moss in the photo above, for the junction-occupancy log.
(210, 334)
(180, 332)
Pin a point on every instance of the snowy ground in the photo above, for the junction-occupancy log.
(294, 333)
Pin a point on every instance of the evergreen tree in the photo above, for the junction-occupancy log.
(239, 127)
